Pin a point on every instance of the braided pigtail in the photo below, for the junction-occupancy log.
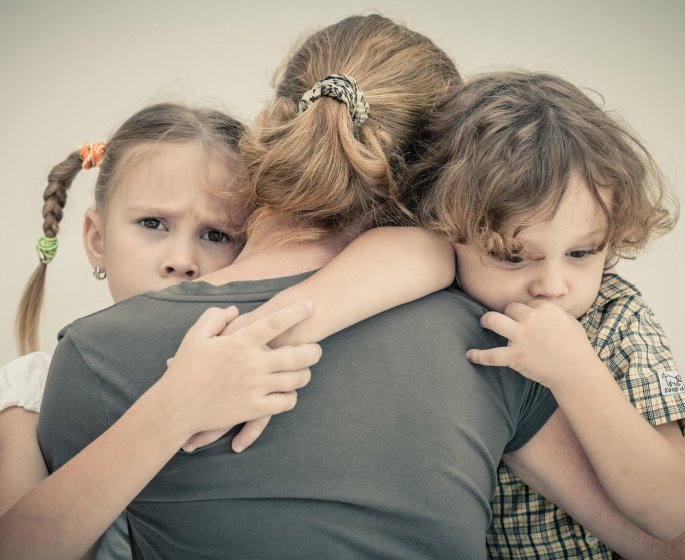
(156, 125)
(55, 197)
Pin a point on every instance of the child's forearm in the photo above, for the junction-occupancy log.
(21, 463)
(381, 269)
(67, 512)
(204, 387)
(555, 465)
(639, 466)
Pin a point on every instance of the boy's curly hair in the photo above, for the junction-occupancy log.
(501, 152)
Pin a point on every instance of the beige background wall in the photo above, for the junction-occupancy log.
(73, 71)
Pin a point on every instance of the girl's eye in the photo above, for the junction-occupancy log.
(580, 254)
(216, 236)
(151, 223)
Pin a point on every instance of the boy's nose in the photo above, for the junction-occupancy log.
(549, 284)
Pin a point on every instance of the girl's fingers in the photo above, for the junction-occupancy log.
(291, 358)
(492, 357)
(278, 403)
(499, 323)
(212, 322)
(249, 433)
(287, 381)
(267, 328)
(202, 439)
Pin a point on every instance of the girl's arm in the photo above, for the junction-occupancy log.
(212, 381)
(22, 381)
(21, 464)
(640, 467)
(381, 269)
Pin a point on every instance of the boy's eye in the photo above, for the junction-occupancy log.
(509, 260)
(216, 236)
(513, 258)
(151, 223)
(581, 253)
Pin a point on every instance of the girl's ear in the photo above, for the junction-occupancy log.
(93, 230)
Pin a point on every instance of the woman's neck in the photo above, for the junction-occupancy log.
(266, 256)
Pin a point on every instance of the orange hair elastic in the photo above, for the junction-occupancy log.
(92, 154)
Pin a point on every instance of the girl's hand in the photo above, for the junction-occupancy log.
(252, 429)
(366, 278)
(216, 381)
(546, 344)
(247, 435)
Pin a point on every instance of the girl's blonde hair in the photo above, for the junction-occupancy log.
(317, 169)
(504, 149)
(155, 125)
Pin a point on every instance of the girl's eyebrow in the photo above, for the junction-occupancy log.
(218, 221)
(168, 211)
(149, 209)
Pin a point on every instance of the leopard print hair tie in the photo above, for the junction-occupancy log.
(342, 88)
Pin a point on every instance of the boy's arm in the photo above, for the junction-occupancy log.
(554, 464)
(639, 467)
(380, 269)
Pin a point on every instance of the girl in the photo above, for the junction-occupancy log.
(160, 218)
(541, 194)
(156, 193)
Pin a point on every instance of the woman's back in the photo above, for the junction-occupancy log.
(388, 452)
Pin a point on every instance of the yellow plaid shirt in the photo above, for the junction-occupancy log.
(630, 342)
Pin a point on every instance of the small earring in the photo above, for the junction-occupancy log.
(99, 274)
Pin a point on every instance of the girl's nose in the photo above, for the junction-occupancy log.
(180, 264)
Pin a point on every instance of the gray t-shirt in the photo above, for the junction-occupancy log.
(391, 452)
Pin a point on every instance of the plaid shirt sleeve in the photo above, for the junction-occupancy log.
(631, 343)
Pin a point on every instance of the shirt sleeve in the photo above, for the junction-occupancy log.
(536, 405)
(22, 381)
(72, 413)
(640, 359)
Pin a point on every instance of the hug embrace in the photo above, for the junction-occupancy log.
(290, 370)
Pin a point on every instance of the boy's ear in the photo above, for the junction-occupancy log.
(93, 230)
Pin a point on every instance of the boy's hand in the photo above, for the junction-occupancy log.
(216, 381)
(545, 343)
